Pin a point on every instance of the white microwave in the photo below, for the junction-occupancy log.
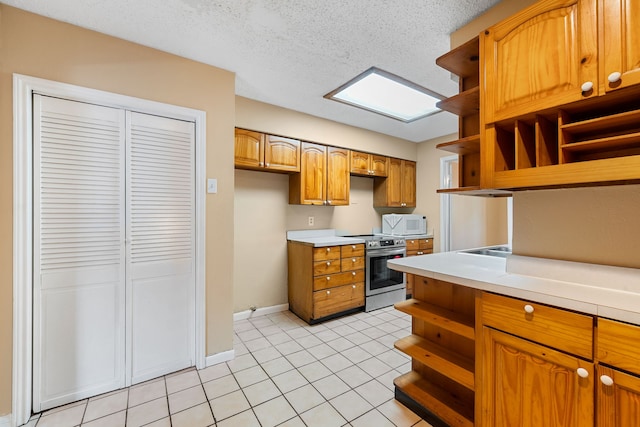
(404, 224)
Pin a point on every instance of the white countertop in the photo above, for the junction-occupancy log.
(612, 292)
(321, 238)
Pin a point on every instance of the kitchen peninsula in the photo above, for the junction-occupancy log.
(499, 340)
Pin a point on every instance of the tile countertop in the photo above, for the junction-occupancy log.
(321, 238)
(606, 291)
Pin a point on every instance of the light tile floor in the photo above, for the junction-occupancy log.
(285, 373)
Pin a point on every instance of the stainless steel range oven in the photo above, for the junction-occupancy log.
(383, 286)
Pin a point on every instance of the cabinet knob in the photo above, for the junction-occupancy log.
(328, 263)
(528, 308)
(353, 246)
(614, 77)
(606, 380)
(328, 278)
(328, 292)
(412, 242)
(267, 164)
(354, 286)
(353, 273)
(586, 86)
(353, 260)
(582, 373)
(261, 163)
(328, 249)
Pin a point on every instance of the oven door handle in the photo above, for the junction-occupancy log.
(386, 252)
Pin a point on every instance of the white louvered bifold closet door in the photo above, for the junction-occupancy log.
(161, 235)
(79, 256)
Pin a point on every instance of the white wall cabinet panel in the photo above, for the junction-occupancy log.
(114, 249)
(160, 229)
(79, 258)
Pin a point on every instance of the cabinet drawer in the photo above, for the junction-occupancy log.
(617, 344)
(413, 244)
(326, 267)
(554, 327)
(426, 243)
(339, 279)
(335, 300)
(352, 263)
(325, 253)
(352, 250)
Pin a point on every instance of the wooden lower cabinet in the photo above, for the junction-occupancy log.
(618, 399)
(421, 246)
(325, 281)
(528, 384)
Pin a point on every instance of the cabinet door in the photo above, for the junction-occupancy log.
(249, 148)
(408, 183)
(360, 163)
(394, 183)
(621, 43)
(282, 154)
(338, 181)
(379, 165)
(526, 384)
(539, 58)
(312, 174)
(618, 399)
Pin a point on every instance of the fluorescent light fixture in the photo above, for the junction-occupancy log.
(387, 94)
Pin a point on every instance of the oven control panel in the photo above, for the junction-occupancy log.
(386, 243)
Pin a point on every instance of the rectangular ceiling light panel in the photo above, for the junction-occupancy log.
(387, 94)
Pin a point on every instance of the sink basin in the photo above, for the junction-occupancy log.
(499, 251)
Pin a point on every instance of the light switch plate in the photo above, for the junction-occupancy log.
(212, 185)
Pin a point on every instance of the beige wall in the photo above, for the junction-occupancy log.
(262, 211)
(40, 47)
(599, 225)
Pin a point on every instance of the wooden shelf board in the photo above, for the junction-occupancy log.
(611, 142)
(475, 191)
(462, 146)
(629, 118)
(446, 319)
(441, 403)
(454, 366)
(463, 61)
(463, 104)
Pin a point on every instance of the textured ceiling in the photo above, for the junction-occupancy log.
(291, 53)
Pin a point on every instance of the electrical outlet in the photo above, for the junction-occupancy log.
(311, 221)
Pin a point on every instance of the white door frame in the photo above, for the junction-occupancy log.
(23, 88)
(446, 180)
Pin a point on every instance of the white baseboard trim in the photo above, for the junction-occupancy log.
(248, 314)
(5, 420)
(214, 359)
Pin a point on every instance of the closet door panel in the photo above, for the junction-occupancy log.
(79, 275)
(160, 232)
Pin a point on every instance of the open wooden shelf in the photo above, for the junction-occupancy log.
(462, 61)
(628, 118)
(445, 405)
(463, 104)
(462, 146)
(608, 143)
(446, 319)
(475, 191)
(459, 368)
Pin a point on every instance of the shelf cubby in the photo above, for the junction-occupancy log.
(457, 323)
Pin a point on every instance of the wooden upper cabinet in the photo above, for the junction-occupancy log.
(398, 189)
(323, 177)
(282, 154)
(255, 150)
(367, 164)
(540, 58)
(620, 54)
(337, 176)
(249, 148)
